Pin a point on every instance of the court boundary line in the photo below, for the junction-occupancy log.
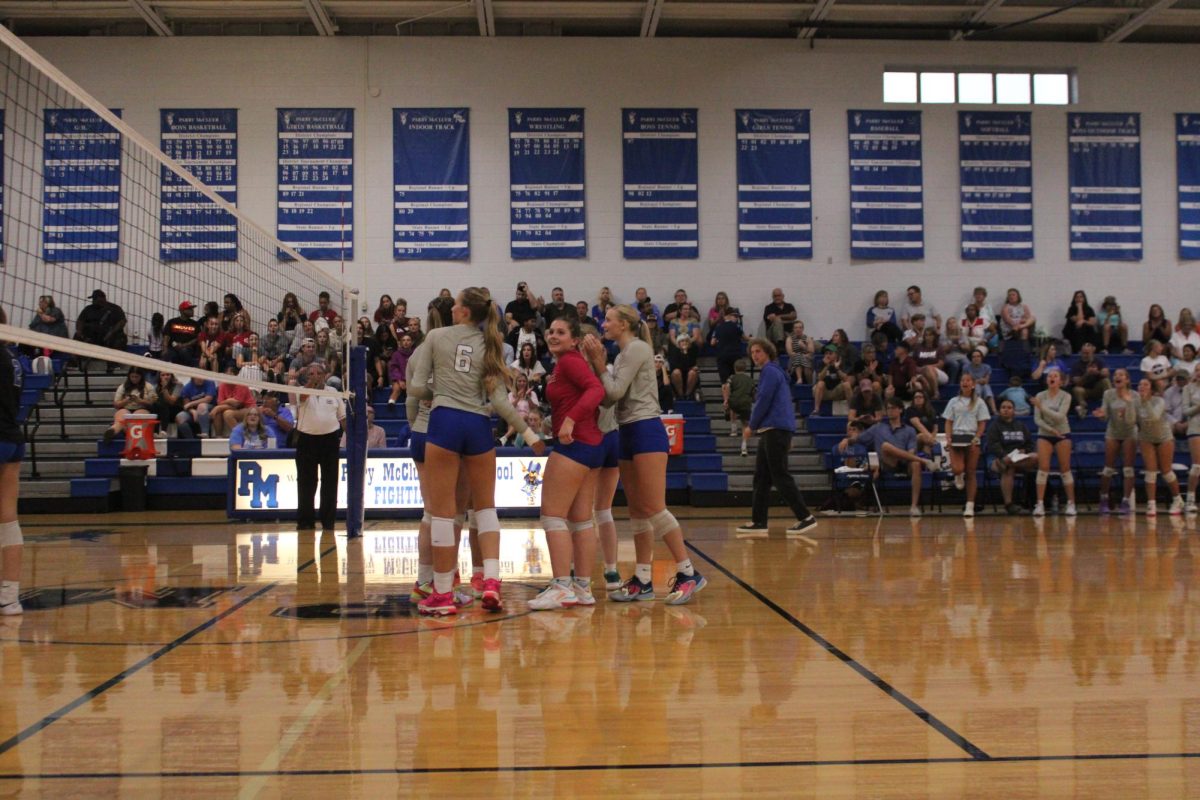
(900, 697)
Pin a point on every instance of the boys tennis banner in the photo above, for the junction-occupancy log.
(204, 142)
(81, 216)
(1187, 164)
(887, 213)
(431, 176)
(316, 182)
(661, 218)
(995, 157)
(774, 174)
(545, 165)
(1105, 167)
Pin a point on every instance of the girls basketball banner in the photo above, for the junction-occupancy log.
(995, 157)
(887, 210)
(431, 176)
(204, 142)
(1105, 168)
(661, 209)
(81, 216)
(545, 166)
(1187, 164)
(316, 182)
(774, 174)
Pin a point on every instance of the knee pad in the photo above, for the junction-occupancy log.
(604, 515)
(441, 532)
(1151, 477)
(663, 523)
(10, 534)
(459, 520)
(1108, 472)
(1194, 472)
(487, 520)
(1170, 477)
(1043, 477)
(1068, 479)
(640, 525)
(582, 525)
(1127, 472)
(554, 524)
(426, 518)
(471, 521)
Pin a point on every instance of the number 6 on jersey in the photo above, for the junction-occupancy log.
(462, 358)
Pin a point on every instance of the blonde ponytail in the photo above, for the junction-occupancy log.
(483, 313)
(629, 315)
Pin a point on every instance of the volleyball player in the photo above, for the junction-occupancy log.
(569, 487)
(460, 367)
(606, 484)
(643, 456)
(12, 449)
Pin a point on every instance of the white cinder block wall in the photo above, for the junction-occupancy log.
(716, 76)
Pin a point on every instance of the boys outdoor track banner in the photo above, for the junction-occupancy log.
(1105, 168)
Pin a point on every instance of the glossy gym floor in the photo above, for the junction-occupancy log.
(180, 655)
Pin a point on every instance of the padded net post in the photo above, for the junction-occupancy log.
(356, 441)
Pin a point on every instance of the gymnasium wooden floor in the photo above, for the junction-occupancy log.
(179, 655)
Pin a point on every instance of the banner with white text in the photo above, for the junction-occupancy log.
(774, 175)
(1187, 160)
(316, 182)
(204, 142)
(546, 174)
(1105, 168)
(887, 209)
(995, 157)
(661, 171)
(431, 176)
(81, 214)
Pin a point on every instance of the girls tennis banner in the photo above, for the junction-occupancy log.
(661, 218)
(545, 166)
(204, 142)
(1187, 164)
(887, 213)
(995, 158)
(1105, 168)
(81, 215)
(316, 182)
(431, 176)
(774, 173)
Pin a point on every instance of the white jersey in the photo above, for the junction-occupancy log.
(632, 385)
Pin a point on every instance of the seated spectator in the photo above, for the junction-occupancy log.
(1114, 332)
(1174, 405)
(896, 445)
(1049, 362)
(1187, 361)
(524, 399)
(832, 383)
(737, 396)
(847, 352)
(522, 307)
(979, 300)
(537, 425)
(671, 312)
(231, 306)
(915, 331)
(728, 339)
(233, 401)
(956, 349)
(717, 312)
(386, 310)
(154, 337)
(247, 357)
(397, 371)
(168, 402)
(337, 335)
(662, 374)
(865, 403)
(604, 302)
(306, 331)
(273, 347)
(686, 324)
(198, 396)
(881, 319)
(1016, 394)
(279, 420)
(660, 337)
(916, 305)
(581, 308)
(211, 309)
(249, 434)
(48, 318)
(1089, 379)
(102, 323)
(685, 372)
(1016, 320)
(305, 359)
(976, 329)
(330, 354)
(902, 374)
(1081, 327)
(982, 373)
(1156, 326)
(923, 418)
(323, 310)
(557, 307)
(1009, 446)
(776, 316)
(412, 326)
(642, 302)
(869, 368)
(1185, 333)
(930, 358)
(133, 396)
(290, 315)
(1156, 366)
(800, 349)
(528, 333)
(239, 327)
(527, 364)
(376, 436)
(214, 346)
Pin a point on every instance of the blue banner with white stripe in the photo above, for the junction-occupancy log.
(1, 186)
(887, 213)
(546, 198)
(661, 168)
(204, 142)
(1105, 168)
(995, 158)
(774, 174)
(431, 176)
(81, 214)
(316, 182)
(1187, 164)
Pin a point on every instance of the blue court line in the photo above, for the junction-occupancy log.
(891, 691)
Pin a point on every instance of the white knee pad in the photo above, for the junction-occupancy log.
(486, 519)
(1151, 477)
(1068, 479)
(1043, 477)
(441, 532)
(426, 518)
(554, 524)
(471, 521)
(604, 515)
(663, 523)
(582, 525)
(1127, 472)
(10, 534)
(1170, 477)
(640, 525)
(1194, 472)
(459, 520)
(1108, 472)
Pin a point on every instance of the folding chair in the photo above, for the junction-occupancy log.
(847, 474)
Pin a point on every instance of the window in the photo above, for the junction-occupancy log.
(1051, 89)
(899, 87)
(978, 87)
(937, 87)
(1012, 87)
(975, 87)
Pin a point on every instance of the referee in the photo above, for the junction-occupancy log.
(319, 423)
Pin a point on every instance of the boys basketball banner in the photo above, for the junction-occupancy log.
(316, 182)
(545, 164)
(887, 213)
(661, 209)
(81, 216)
(204, 142)
(995, 157)
(774, 174)
(1105, 167)
(431, 176)
(1187, 164)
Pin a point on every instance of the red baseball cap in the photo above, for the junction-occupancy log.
(186, 304)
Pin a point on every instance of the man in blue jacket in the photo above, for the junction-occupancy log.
(773, 419)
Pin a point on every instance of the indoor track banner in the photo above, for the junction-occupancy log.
(431, 176)
(774, 174)
(316, 182)
(546, 174)
(81, 216)
(887, 214)
(1187, 156)
(661, 209)
(1105, 167)
(204, 142)
(995, 157)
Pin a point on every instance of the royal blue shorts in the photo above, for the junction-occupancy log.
(11, 452)
(590, 455)
(416, 443)
(612, 450)
(643, 436)
(460, 431)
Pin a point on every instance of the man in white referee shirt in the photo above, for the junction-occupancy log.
(319, 421)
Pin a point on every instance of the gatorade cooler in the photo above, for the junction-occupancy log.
(674, 425)
(139, 437)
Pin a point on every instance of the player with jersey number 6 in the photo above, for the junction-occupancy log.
(461, 369)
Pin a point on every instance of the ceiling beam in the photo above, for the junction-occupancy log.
(650, 18)
(485, 12)
(152, 18)
(979, 16)
(1138, 20)
(819, 13)
(320, 17)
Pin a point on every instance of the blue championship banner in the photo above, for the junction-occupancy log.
(545, 165)
(887, 214)
(204, 142)
(661, 218)
(316, 182)
(81, 216)
(1187, 164)
(431, 175)
(995, 159)
(774, 174)
(1, 186)
(1105, 167)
